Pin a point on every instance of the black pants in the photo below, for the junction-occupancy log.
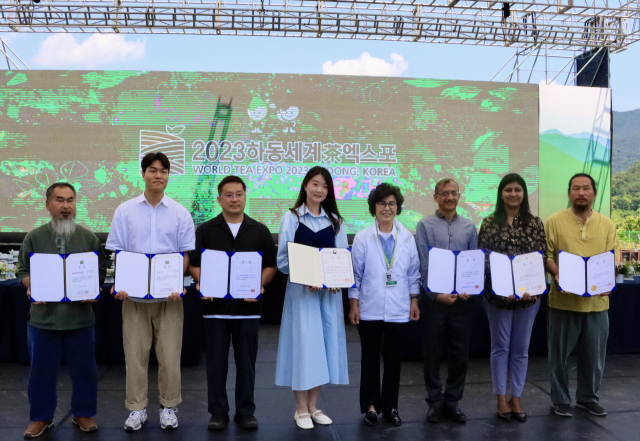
(219, 333)
(371, 334)
(450, 324)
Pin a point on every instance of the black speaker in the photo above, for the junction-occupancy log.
(596, 74)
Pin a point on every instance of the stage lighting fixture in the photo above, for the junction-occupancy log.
(36, 1)
(506, 10)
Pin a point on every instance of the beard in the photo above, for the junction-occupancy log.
(64, 228)
(580, 208)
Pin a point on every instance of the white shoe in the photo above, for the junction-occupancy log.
(320, 419)
(303, 423)
(135, 421)
(168, 418)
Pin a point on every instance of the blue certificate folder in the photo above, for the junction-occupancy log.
(64, 277)
(321, 267)
(149, 276)
(455, 272)
(231, 275)
(515, 275)
(587, 276)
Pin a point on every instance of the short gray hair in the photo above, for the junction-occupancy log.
(58, 185)
(444, 181)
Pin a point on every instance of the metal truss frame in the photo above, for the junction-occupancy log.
(568, 25)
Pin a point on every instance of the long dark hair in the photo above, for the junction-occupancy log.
(501, 213)
(329, 204)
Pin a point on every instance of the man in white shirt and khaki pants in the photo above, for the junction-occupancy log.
(152, 223)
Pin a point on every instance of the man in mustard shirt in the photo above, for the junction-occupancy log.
(575, 321)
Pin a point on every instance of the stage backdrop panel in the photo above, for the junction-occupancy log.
(575, 137)
(90, 128)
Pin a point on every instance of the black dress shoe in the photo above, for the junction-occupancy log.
(371, 418)
(454, 413)
(434, 415)
(519, 416)
(218, 423)
(393, 418)
(248, 422)
(504, 416)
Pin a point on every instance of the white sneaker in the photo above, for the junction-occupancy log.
(321, 418)
(303, 423)
(168, 418)
(135, 421)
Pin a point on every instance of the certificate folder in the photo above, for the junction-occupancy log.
(587, 276)
(321, 267)
(231, 275)
(455, 272)
(515, 275)
(149, 276)
(64, 277)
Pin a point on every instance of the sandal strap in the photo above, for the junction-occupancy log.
(317, 412)
(301, 414)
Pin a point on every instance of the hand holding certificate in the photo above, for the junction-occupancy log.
(455, 272)
(587, 276)
(64, 278)
(324, 267)
(234, 275)
(516, 275)
(149, 276)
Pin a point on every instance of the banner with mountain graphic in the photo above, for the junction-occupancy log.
(575, 137)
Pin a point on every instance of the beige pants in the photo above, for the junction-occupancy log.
(159, 323)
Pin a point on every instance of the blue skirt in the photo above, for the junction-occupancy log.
(312, 350)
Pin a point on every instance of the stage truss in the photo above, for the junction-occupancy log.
(558, 24)
(561, 27)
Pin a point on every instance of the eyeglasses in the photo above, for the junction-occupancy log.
(444, 194)
(234, 195)
(383, 204)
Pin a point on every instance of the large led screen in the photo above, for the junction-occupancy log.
(91, 127)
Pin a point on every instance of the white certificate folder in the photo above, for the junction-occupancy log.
(231, 275)
(455, 272)
(149, 276)
(587, 276)
(515, 275)
(64, 277)
(321, 267)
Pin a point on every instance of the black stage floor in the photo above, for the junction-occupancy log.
(275, 406)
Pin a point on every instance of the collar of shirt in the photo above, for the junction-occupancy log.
(393, 230)
(302, 210)
(164, 201)
(579, 220)
(219, 219)
(442, 216)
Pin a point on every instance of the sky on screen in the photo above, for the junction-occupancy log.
(295, 55)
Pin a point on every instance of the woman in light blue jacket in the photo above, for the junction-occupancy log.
(385, 299)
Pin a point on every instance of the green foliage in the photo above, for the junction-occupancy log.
(625, 199)
(624, 268)
(626, 139)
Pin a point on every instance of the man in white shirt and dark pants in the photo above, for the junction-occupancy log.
(152, 223)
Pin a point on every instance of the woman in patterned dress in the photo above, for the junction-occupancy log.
(511, 230)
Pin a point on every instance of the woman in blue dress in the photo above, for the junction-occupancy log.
(312, 350)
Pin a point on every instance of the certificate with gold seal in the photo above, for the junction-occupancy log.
(587, 276)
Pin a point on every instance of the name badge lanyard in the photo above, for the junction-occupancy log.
(393, 253)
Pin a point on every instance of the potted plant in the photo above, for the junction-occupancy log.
(3, 271)
(624, 269)
(110, 275)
